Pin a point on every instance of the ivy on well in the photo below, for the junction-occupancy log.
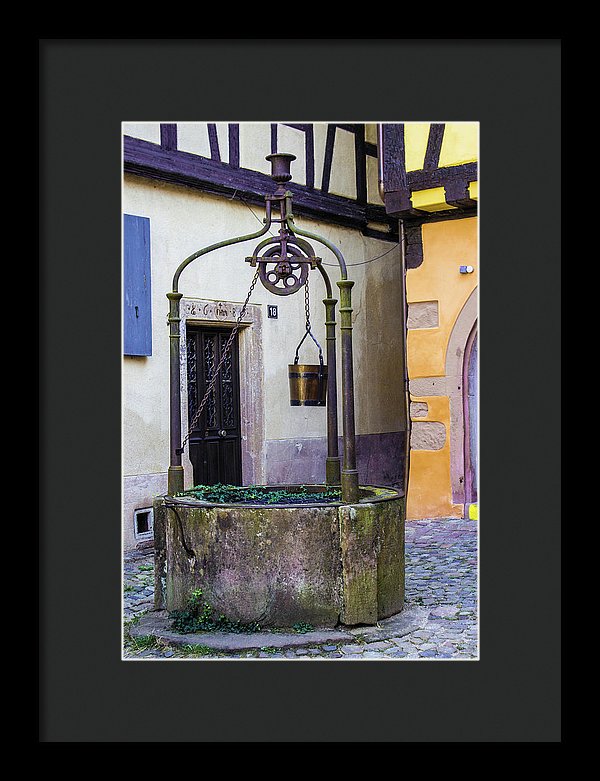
(260, 494)
(199, 616)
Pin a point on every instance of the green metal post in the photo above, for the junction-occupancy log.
(175, 474)
(332, 464)
(350, 492)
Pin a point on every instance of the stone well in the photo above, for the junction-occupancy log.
(323, 564)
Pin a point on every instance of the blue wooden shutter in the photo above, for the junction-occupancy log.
(137, 318)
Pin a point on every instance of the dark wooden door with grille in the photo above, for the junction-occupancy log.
(215, 442)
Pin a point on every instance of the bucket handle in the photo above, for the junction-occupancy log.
(309, 333)
(321, 373)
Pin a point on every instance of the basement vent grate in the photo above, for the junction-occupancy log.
(143, 523)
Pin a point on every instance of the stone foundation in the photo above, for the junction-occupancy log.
(279, 565)
(380, 459)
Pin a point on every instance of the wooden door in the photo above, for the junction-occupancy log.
(215, 440)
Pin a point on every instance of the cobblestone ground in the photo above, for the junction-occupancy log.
(441, 576)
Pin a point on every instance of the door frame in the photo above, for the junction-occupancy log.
(222, 333)
(464, 325)
(468, 470)
(212, 313)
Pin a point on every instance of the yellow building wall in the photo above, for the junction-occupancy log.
(460, 145)
(447, 245)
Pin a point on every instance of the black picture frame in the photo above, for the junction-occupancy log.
(87, 88)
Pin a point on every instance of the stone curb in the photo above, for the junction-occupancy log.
(409, 620)
(157, 624)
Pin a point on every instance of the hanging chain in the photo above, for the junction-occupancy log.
(307, 304)
(212, 383)
(308, 331)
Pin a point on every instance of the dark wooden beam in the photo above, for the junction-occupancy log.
(168, 136)
(434, 146)
(457, 194)
(360, 164)
(395, 183)
(184, 168)
(310, 156)
(213, 141)
(328, 158)
(439, 177)
(398, 203)
(413, 244)
(234, 145)
(394, 163)
(273, 138)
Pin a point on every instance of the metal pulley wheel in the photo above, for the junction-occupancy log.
(283, 276)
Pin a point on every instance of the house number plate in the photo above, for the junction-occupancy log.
(272, 311)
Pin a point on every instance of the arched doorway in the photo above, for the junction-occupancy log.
(471, 418)
(459, 355)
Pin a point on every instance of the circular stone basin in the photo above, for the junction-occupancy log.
(271, 495)
(278, 565)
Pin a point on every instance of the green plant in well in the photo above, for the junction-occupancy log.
(199, 616)
(145, 568)
(260, 494)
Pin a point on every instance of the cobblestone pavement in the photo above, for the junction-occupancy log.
(441, 578)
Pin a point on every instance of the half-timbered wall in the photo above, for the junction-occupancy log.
(335, 174)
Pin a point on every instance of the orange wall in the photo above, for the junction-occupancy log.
(447, 245)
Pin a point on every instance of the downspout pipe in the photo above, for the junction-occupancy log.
(380, 162)
(403, 308)
(404, 331)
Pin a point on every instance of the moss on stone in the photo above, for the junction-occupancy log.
(282, 564)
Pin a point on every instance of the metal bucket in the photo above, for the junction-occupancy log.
(308, 384)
